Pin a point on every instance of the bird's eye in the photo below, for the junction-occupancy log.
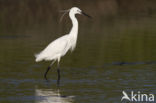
(78, 11)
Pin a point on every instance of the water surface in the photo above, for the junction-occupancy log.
(111, 56)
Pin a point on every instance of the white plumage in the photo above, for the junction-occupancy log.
(55, 49)
(58, 48)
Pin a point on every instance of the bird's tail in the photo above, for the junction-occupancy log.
(38, 57)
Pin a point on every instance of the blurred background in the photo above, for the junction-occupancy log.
(121, 30)
(115, 50)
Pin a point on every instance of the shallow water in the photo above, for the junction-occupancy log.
(118, 56)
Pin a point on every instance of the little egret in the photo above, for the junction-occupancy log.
(59, 47)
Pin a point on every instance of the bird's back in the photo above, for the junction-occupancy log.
(55, 49)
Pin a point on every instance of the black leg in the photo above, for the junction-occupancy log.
(45, 74)
(58, 79)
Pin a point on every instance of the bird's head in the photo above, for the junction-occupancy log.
(76, 10)
(73, 11)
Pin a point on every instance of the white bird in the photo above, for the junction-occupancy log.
(59, 47)
(125, 96)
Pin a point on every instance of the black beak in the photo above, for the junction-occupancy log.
(86, 15)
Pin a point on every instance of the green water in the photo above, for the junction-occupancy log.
(111, 56)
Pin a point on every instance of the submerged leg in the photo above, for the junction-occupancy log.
(58, 73)
(45, 74)
(58, 77)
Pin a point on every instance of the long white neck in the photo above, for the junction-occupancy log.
(74, 30)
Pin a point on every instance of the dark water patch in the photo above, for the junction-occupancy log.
(130, 63)
(18, 98)
(17, 82)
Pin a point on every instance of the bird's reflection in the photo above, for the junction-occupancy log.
(51, 96)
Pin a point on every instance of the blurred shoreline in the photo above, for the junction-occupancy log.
(21, 16)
